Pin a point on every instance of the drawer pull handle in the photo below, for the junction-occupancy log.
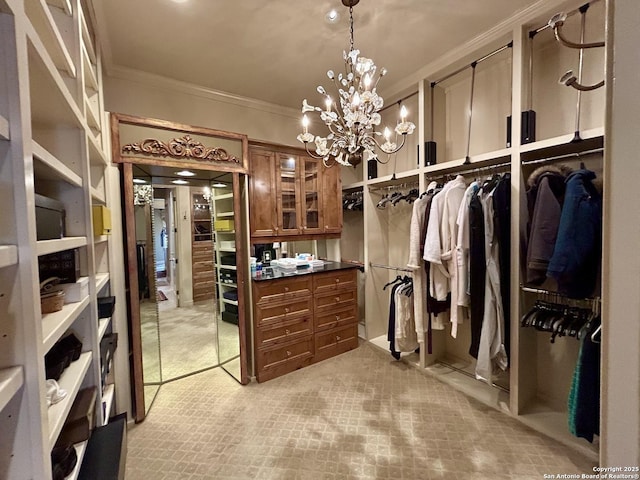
(286, 310)
(337, 338)
(286, 289)
(337, 280)
(287, 331)
(337, 299)
(288, 353)
(337, 318)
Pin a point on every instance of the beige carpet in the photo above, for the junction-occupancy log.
(357, 416)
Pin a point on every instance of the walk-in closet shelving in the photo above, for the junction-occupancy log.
(503, 87)
(50, 146)
(222, 200)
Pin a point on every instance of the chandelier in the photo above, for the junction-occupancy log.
(352, 119)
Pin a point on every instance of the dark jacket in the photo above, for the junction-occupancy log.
(544, 198)
(575, 263)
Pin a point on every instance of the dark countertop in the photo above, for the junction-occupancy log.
(274, 273)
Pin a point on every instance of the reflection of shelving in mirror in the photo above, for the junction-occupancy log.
(203, 274)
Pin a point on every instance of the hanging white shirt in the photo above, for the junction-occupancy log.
(449, 234)
(406, 339)
(433, 247)
(416, 264)
(462, 247)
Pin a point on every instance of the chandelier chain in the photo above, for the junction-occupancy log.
(351, 27)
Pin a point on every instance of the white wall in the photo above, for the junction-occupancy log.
(145, 95)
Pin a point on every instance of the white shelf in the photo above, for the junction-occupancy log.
(92, 117)
(224, 196)
(100, 239)
(103, 324)
(4, 128)
(55, 324)
(107, 399)
(70, 381)
(43, 23)
(475, 161)
(563, 145)
(98, 196)
(230, 302)
(354, 186)
(11, 379)
(232, 285)
(52, 105)
(96, 155)
(8, 255)
(81, 448)
(86, 38)
(226, 267)
(49, 167)
(101, 280)
(225, 214)
(562, 140)
(44, 247)
(401, 177)
(91, 81)
(227, 250)
(64, 5)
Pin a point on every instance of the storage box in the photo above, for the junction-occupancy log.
(106, 454)
(65, 265)
(228, 260)
(52, 302)
(230, 317)
(223, 225)
(106, 306)
(75, 292)
(101, 220)
(227, 244)
(50, 218)
(81, 419)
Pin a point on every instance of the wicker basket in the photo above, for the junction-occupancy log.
(52, 302)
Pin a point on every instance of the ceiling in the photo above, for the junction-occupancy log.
(278, 51)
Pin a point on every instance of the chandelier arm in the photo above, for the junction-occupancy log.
(310, 153)
(396, 150)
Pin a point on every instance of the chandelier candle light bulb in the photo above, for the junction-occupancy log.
(352, 135)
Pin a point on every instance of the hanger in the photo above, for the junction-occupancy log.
(393, 282)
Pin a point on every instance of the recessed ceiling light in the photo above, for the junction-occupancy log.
(332, 16)
(179, 181)
(186, 173)
(180, 1)
(139, 180)
(219, 185)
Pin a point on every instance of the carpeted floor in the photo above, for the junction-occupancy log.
(360, 415)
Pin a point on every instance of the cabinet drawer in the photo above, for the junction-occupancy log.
(202, 255)
(335, 341)
(283, 332)
(286, 358)
(324, 282)
(201, 267)
(269, 314)
(282, 290)
(204, 276)
(332, 301)
(339, 318)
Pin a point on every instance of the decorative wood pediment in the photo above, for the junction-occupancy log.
(184, 147)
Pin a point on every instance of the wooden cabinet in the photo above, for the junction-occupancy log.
(292, 194)
(302, 320)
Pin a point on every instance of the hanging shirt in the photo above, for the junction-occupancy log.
(416, 262)
(449, 234)
(462, 246)
(491, 353)
(434, 246)
(406, 339)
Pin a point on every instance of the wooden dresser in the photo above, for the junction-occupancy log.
(303, 319)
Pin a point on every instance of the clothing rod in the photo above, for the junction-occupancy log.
(397, 102)
(535, 31)
(561, 157)
(547, 292)
(475, 62)
(468, 168)
(389, 267)
(470, 375)
(374, 189)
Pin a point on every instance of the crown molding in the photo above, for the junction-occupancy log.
(169, 84)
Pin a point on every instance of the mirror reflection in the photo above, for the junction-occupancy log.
(185, 235)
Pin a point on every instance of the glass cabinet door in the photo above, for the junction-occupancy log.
(310, 195)
(289, 221)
